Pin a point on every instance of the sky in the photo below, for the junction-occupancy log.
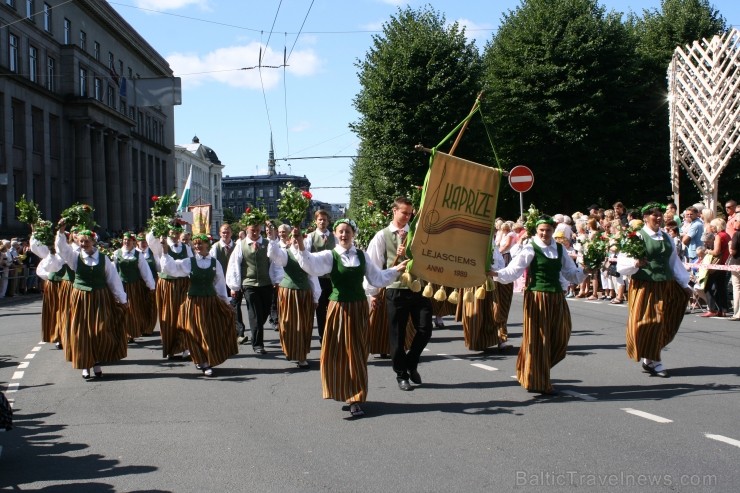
(306, 107)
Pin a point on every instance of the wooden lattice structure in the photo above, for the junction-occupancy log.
(704, 96)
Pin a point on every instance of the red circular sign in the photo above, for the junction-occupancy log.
(521, 178)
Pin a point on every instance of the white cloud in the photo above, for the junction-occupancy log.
(162, 5)
(224, 65)
(481, 33)
(300, 127)
(395, 2)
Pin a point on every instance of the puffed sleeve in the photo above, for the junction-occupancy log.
(316, 264)
(175, 268)
(379, 278)
(233, 269)
(112, 279)
(146, 273)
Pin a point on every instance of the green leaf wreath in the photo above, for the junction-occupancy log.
(293, 204)
(80, 215)
(163, 214)
(28, 211)
(254, 216)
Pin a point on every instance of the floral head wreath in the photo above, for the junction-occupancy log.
(201, 237)
(254, 216)
(176, 227)
(128, 234)
(140, 237)
(544, 219)
(85, 232)
(650, 207)
(347, 221)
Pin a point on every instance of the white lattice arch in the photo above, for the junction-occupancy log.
(704, 95)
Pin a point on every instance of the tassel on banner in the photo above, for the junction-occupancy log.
(441, 294)
(469, 296)
(480, 293)
(428, 291)
(406, 279)
(453, 297)
(415, 286)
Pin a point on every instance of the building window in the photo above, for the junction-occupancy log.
(50, 73)
(18, 123)
(83, 40)
(122, 107)
(33, 63)
(111, 96)
(10, 2)
(29, 9)
(96, 51)
(120, 68)
(67, 31)
(98, 89)
(55, 136)
(13, 52)
(271, 193)
(110, 60)
(260, 193)
(83, 82)
(47, 17)
(37, 130)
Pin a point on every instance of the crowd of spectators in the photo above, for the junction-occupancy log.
(17, 268)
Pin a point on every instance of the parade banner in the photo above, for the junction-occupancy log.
(452, 242)
(201, 219)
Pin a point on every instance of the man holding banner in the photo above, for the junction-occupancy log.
(385, 250)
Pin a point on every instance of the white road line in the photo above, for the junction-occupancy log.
(643, 414)
(36, 349)
(449, 357)
(585, 397)
(30, 355)
(724, 439)
(12, 387)
(17, 375)
(485, 367)
(42, 343)
(22, 365)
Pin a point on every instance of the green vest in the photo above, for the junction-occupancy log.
(89, 278)
(392, 241)
(255, 266)
(347, 281)
(177, 256)
(295, 277)
(201, 280)
(222, 257)
(658, 267)
(128, 269)
(318, 244)
(151, 263)
(544, 272)
(63, 274)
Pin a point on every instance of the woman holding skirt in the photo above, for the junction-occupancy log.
(137, 282)
(205, 320)
(344, 350)
(298, 294)
(151, 301)
(97, 306)
(479, 328)
(547, 322)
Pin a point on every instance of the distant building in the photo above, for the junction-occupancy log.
(240, 192)
(336, 211)
(69, 127)
(205, 185)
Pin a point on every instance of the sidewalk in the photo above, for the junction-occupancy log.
(20, 299)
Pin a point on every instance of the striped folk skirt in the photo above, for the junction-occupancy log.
(49, 309)
(138, 308)
(150, 312)
(63, 312)
(295, 322)
(656, 310)
(442, 308)
(344, 352)
(377, 334)
(171, 295)
(206, 325)
(504, 295)
(479, 330)
(545, 335)
(96, 328)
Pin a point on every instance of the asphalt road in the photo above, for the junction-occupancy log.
(261, 425)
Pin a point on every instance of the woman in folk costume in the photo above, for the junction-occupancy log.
(657, 296)
(97, 306)
(205, 318)
(57, 287)
(138, 283)
(344, 351)
(298, 294)
(142, 246)
(547, 322)
(479, 328)
(171, 292)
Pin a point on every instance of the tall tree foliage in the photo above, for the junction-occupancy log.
(559, 81)
(418, 80)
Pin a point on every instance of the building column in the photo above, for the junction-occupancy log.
(83, 164)
(112, 182)
(98, 177)
(127, 194)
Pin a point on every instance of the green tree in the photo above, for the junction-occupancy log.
(419, 79)
(559, 83)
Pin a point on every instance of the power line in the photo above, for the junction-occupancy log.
(299, 32)
(314, 157)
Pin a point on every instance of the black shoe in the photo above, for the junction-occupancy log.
(415, 377)
(404, 384)
(648, 369)
(58, 345)
(259, 350)
(242, 340)
(662, 374)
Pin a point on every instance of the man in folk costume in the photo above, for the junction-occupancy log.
(248, 271)
(658, 293)
(138, 283)
(221, 251)
(319, 240)
(171, 292)
(142, 246)
(385, 250)
(547, 323)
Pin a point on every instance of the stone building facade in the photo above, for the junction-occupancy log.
(205, 185)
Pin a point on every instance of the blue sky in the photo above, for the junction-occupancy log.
(307, 106)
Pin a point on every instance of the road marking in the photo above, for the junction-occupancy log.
(17, 375)
(724, 439)
(585, 397)
(22, 365)
(36, 349)
(30, 355)
(12, 387)
(485, 367)
(453, 358)
(643, 414)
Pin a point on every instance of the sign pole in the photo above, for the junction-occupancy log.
(521, 204)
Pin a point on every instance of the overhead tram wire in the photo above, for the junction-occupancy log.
(262, 82)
